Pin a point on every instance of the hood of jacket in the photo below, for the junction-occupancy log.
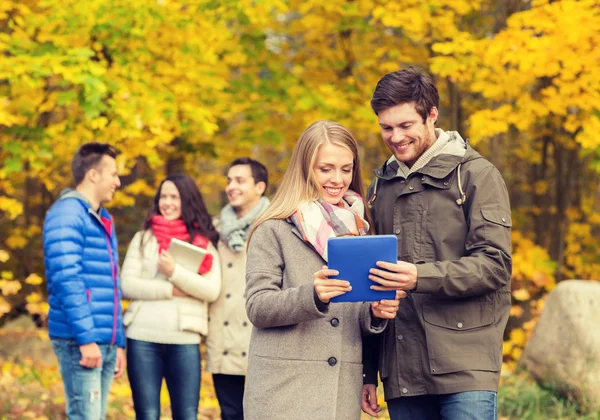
(456, 151)
(71, 193)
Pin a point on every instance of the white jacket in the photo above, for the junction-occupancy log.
(154, 314)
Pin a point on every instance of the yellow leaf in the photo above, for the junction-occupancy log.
(34, 279)
(516, 311)
(11, 287)
(13, 207)
(16, 241)
(34, 298)
(4, 256)
(521, 294)
(517, 336)
(516, 353)
(4, 307)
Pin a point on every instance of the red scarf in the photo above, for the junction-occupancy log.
(164, 230)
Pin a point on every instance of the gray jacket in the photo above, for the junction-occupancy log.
(447, 335)
(305, 357)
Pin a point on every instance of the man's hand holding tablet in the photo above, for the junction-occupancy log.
(390, 276)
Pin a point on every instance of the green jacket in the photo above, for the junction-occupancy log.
(447, 335)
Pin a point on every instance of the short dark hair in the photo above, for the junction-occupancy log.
(409, 85)
(259, 171)
(87, 157)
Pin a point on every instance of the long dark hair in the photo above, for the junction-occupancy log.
(193, 210)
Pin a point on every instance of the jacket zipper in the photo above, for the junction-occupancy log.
(89, 295)
(116, 294)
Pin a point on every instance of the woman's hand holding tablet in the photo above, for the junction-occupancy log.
(328, 288)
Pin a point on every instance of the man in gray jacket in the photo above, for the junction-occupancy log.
(441, 357)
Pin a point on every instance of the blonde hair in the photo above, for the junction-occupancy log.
(298, 184)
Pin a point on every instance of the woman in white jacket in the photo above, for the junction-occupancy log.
(169, 308)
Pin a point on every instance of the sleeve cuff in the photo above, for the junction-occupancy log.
(427, 278)
(377, 324)
(321, 307)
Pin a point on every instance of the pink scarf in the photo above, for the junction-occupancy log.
(164, 230)
(318, 220)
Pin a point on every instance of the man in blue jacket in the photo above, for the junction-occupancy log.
(82, 270)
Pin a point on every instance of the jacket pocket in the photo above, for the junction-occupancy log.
(496, 225)
(496, 215)
(193, 316)
(132, 310)
(462, 335)
(459, 315)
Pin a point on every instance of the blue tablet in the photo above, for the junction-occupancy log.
(353, 257)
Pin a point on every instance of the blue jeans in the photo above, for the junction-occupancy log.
(86, 390)
(147, 365)
(470, 405)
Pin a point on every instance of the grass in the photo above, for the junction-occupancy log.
(521, 398)
(30, 390)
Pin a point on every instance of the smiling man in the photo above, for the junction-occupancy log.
(449, 208)
(229, 328)
(82, 271)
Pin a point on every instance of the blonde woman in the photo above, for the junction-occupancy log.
(305, 353)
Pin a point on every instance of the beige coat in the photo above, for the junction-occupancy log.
(229, 328)
(156, 316)
(305, 359)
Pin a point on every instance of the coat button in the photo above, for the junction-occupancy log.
(229, 265)
(245, 324)
(243, 354)
(398, 231)
(332, 361)
(225, 353)
(335, 322)
(422, 178)
(410, 187)
(228, 295)
(446, 183)
(459, 325)
(404, 390)
(504, 220)
(400, 337)
(226, 323)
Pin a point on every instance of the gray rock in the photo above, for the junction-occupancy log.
(563, 353)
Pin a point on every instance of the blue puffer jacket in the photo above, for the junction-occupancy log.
(82, 270)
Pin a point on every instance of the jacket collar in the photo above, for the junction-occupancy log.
(102, 215)
(438, 167)
(294, 229)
